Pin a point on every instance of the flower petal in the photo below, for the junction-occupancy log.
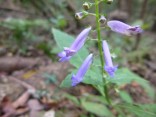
(80, 39)
(85, 66)
(135, 30)
(122, 28)
(75, 80)
(77, 44)
(69, 52)
(109, 68)
(107, 55)
(62, 59)
(82, 70)
(62, 54)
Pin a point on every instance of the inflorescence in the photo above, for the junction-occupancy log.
(114, 25)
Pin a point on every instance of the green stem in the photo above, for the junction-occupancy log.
(98, 29)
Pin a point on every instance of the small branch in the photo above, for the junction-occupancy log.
(10, 64)
(24, 84)
(100, 48)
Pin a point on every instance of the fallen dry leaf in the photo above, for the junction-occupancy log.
(34, 104)
(21, 101)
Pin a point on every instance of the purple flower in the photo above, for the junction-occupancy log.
(109, 68)
(82, 70)
(123, 28)
(77, 44)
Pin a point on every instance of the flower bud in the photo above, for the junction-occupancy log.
(102, 19)
(86, 6)
(109, 1)
(81, 15)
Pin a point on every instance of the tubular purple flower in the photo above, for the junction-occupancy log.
(76, 79)
(76, 45)
(122, 28)
(109, 68)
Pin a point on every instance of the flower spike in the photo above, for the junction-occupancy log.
(76, 45)
(76, 79)
(122, 28)
(109, 68)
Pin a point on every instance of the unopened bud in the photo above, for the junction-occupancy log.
(102, 19)
(109, 1)
(81, 15)
(86, 6)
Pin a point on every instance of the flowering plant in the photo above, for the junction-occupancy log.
(96, 70)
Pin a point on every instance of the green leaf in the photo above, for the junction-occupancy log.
(149, 107)
(78, 59)
(126, 97)
(66, 83)
(96, 108)
(93, 76)
(137, 110)
(124, 75)
(50, 78)
(73, 99)
(121, 112)
(96, 98)
(64, 40)
(55, 50)
(121, 77)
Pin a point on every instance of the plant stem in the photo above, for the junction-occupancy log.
(98, 29)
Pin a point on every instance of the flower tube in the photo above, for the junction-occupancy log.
(109, 68)
(76, 45)
(76, 79)
(122, 28)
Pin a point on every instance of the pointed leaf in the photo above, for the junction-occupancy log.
(96, 108)
(124, 75)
